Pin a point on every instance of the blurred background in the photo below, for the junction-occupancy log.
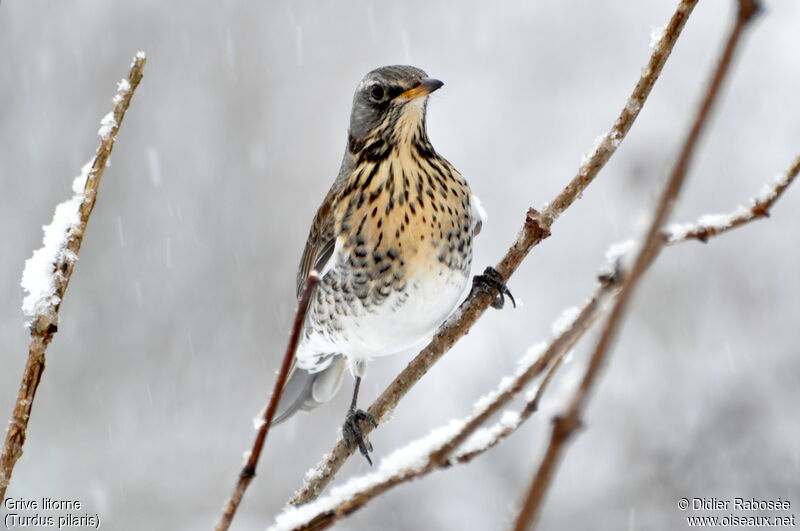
(179, 308)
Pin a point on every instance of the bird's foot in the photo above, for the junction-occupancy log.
(491, 282)
(353, 434)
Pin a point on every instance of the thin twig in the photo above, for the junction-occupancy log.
(710, 225)
(249, 471)
(552, 355)
(535, 229)
(465, 455)
(565, 425)
(44, 310)
(560, 345)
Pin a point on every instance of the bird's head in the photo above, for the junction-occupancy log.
(389, 105)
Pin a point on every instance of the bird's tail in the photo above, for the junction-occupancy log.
(305, 390)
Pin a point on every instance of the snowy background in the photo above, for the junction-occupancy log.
(180, 304)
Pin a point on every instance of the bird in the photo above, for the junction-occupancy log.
(391, 245)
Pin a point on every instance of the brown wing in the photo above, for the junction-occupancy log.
(320, 244)
(321, 236)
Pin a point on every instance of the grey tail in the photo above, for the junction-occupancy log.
(305, 390)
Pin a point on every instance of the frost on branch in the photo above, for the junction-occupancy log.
(656, 35)
(42, 270)
(712, 224)
(107, 125)
(606, 143)
(707, 224)
(565, 321)
(406, 460)
(618, 258)
(123, 87)
(484, 438)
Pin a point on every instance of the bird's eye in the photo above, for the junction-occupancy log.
(376, 92)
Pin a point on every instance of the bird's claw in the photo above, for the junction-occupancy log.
(353, 434)
(492, 282)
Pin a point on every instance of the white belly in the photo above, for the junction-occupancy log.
(402, 321)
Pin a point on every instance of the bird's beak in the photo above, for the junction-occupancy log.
(425, 87)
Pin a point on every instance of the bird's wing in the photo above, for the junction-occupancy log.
(298, 391)
(321, 237)
(478, 214)
(319, 247)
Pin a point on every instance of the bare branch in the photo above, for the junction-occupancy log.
(249, 471)
(566, 424)
(609, 143)
(48, 272)
(535, 229)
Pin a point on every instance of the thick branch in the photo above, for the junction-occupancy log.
(57, 259)
(535, 229)
(566, 424)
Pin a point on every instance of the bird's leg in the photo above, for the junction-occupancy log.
(351, 431)
(491, 282)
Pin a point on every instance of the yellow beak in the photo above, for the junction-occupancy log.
(425, 87)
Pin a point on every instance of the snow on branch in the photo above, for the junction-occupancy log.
(712, 224)
(535, 229)
(48, 264)
(47, 273)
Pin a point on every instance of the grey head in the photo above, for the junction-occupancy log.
(384, 94)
